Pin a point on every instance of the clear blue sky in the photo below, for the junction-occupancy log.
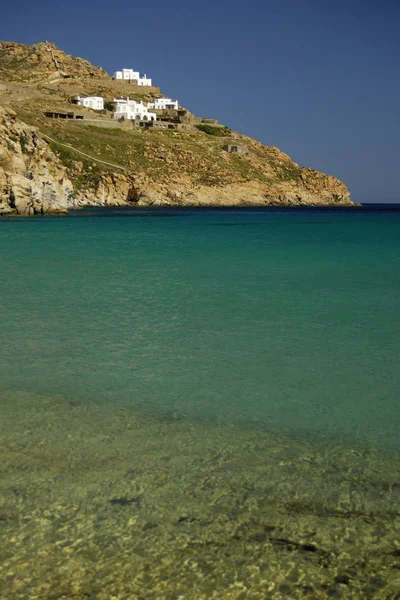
(317, 78)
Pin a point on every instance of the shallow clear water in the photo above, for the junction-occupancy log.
(283, 320)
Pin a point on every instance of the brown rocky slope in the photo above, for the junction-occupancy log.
(19, 62)
(52, 165)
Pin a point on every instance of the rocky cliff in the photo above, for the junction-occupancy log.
(32, 179)
(51, 165)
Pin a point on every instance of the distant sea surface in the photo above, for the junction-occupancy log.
(285, 320)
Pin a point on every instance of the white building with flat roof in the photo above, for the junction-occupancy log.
(95, 102)
(131, 75)
(130, 110)
(164, 104)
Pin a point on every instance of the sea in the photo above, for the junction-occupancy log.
(200, 403)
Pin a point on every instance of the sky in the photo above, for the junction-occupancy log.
(317, 78)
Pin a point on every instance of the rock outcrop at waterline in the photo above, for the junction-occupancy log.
(32, 178)
(53, 165)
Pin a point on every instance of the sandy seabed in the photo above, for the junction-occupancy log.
(99, 502)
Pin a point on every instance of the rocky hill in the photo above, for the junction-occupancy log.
(42, 61)
(51, 165)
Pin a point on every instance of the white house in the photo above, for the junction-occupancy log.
(164, 104)
(130, 109)
(95, 102)
(131, 75)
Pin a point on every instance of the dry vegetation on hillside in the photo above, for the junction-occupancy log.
(188, 167)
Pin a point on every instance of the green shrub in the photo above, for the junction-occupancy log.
(212, 130)
(22, 141)
(289, 172)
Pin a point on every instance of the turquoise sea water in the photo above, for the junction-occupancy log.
(200, 405)
(283, 320)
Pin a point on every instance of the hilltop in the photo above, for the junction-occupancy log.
(51, 165)
(39, 61)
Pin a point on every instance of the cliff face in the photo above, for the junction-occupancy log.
(53, 165)
(32, 179)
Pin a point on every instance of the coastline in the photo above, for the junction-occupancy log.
(51, 168)
(109, 209)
